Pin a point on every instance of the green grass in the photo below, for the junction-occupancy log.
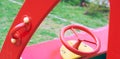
(76, 14)
(8, 11)
(50, 28)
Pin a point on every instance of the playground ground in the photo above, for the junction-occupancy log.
(63, 14)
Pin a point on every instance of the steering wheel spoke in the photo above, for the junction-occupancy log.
(76, 45)
(89, 41)
(72, 29)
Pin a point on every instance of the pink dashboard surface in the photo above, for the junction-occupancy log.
(51, 49)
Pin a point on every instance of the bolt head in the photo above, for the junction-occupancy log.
(13, 41)
(26, 19)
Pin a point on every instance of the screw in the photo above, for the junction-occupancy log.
(85, 45)
(63, 51)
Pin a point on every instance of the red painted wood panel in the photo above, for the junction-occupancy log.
(51, 49)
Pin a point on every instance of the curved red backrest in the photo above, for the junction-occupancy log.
(36, 10)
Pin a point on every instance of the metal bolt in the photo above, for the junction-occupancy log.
(13, 41)
(63, 51)
(26, 19)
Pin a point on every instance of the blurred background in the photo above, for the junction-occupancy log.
(90, 13)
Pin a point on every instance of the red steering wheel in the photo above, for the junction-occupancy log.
(74, 48)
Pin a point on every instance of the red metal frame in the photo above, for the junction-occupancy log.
(114, 30)
(36, 10)
(36, 15)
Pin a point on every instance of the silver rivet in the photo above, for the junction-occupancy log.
(26, 19)
(13, 41)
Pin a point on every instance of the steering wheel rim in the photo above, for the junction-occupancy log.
(75, 50)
